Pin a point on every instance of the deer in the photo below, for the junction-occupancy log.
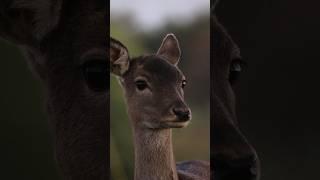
(232, 156)
(153, 90)
(65, 45)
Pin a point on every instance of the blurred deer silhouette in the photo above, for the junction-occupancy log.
(65, 43)
(232, 155)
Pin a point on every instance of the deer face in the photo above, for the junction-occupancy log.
(153, 86)
(65, 43)
(233, 156)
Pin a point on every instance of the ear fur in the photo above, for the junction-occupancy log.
(119, 57)
(170, 49)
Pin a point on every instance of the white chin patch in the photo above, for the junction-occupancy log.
(178, 124)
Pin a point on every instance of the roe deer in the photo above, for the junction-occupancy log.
(153, 87)
(232, 155)
(65, 43)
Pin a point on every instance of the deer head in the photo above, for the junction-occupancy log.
(65, 44)
(232, 155)
(153, 85)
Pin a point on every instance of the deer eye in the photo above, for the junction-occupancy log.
(184, 83)
(96, 74)
(141, 85)
(236, 67)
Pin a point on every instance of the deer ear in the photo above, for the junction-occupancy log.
(119, 57)
(170, 49)
(26, 22)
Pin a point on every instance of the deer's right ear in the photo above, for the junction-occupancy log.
(119, 57)
(170, 49)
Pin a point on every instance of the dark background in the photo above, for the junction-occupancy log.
(279, 91)
(26, 144)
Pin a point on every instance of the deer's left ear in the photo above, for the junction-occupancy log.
(170, 49)
(119, 57)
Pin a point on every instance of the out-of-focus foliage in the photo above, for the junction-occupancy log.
(191, 142)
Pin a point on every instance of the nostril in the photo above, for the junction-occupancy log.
(181, 113)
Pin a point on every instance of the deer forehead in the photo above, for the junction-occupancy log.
(156, 68)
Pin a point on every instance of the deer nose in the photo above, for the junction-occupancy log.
(182, 113)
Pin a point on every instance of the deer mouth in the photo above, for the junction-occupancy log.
(168, 122)
(176, 122)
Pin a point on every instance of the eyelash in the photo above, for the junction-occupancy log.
(141, 85)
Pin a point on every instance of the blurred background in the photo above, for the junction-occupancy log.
(278, 94)
(141, 26)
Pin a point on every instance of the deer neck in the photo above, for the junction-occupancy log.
(154, 157)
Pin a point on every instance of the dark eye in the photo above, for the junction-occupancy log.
(141, 85)
(184, 83)
(236, 67)
(96, 74)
